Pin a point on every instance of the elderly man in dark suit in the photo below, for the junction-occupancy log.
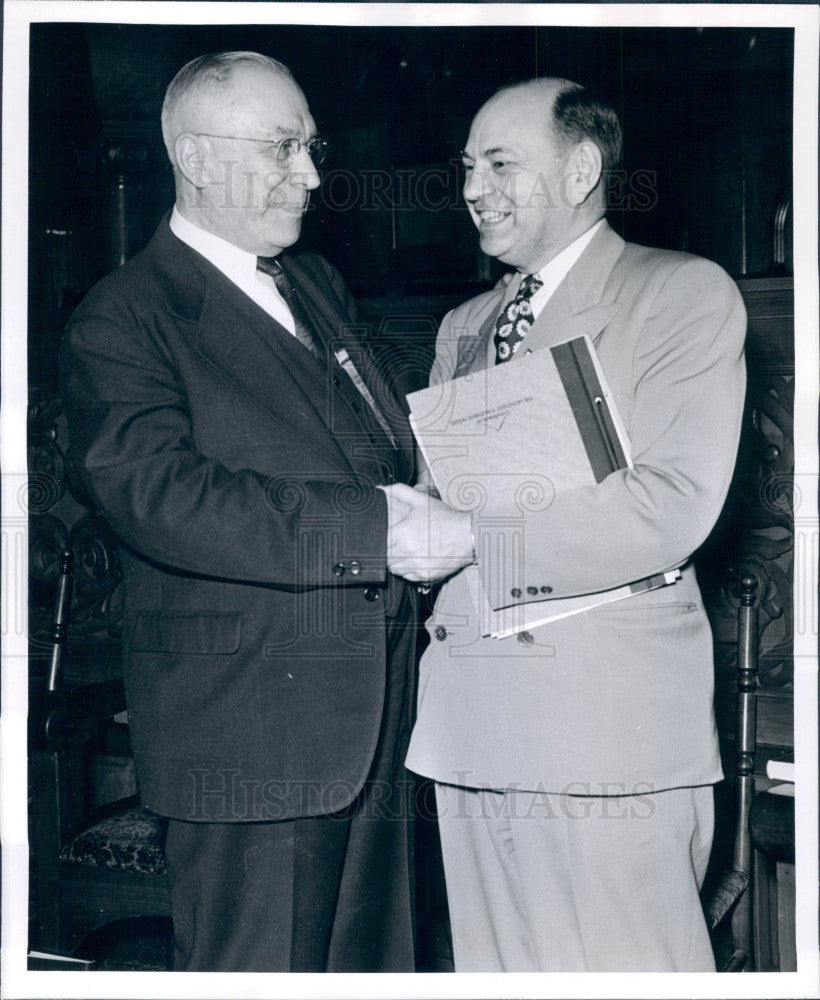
(235, 433)
(575, 760)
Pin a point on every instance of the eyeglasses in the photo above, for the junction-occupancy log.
(286, 149)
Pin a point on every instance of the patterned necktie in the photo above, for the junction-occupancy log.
(303, 332)
(515, 319)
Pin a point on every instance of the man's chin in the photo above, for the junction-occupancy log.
(283, 238)
(493, 246)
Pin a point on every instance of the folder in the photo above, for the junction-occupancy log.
(510, 438)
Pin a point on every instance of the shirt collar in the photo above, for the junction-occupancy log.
(555, 270)
(236, 264)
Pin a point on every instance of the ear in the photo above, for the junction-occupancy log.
(192, 160)
(584, 172)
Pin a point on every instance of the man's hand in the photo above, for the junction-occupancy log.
(426, 540)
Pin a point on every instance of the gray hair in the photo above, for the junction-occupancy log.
(206, 73)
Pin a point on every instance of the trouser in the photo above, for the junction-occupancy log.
(560, 883)
(328, 893)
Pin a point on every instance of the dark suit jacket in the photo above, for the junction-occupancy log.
(241, 476)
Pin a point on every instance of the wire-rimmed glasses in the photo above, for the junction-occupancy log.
(286, 149)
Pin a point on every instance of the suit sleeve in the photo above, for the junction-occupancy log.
(446, 355)
(132, 439)
(688, 389)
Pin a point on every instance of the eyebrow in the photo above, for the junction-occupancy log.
(487, 153)
(283, 130)
(287, 131)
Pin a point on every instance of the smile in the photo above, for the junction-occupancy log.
(489, 218)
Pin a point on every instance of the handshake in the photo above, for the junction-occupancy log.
(426, 540)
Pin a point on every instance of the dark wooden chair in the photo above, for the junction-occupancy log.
(763, 831)
(772, 826)
(757, 894)
(89, 867)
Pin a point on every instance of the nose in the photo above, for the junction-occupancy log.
(303, 170)
(475, 184)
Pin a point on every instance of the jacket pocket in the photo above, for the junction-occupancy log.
(210, 632)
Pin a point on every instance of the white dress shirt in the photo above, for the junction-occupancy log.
(238, 266)
(554, 271)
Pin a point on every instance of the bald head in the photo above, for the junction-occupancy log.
(571, 113)
(537, 96)
(211, 92)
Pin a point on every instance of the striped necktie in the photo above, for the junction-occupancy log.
(303, 331)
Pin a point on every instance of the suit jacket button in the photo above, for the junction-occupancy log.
(440, 633)
(339, 569)
(532, 591)
(546, 590)
(371, 594)
(525, 638)
(355, 568)
(516, 592)
(336, 381)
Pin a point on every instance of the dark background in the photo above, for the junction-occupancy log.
(707, 156)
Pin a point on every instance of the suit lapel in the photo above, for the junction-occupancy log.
(265, 362)
(558, 321)
(473, 349)
(242, 342)
(575, 308)
(251, 348)
(336, 331)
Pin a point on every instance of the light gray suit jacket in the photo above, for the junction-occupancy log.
(618, 699)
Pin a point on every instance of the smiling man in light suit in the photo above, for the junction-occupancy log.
(234, 432)
(574, 762)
